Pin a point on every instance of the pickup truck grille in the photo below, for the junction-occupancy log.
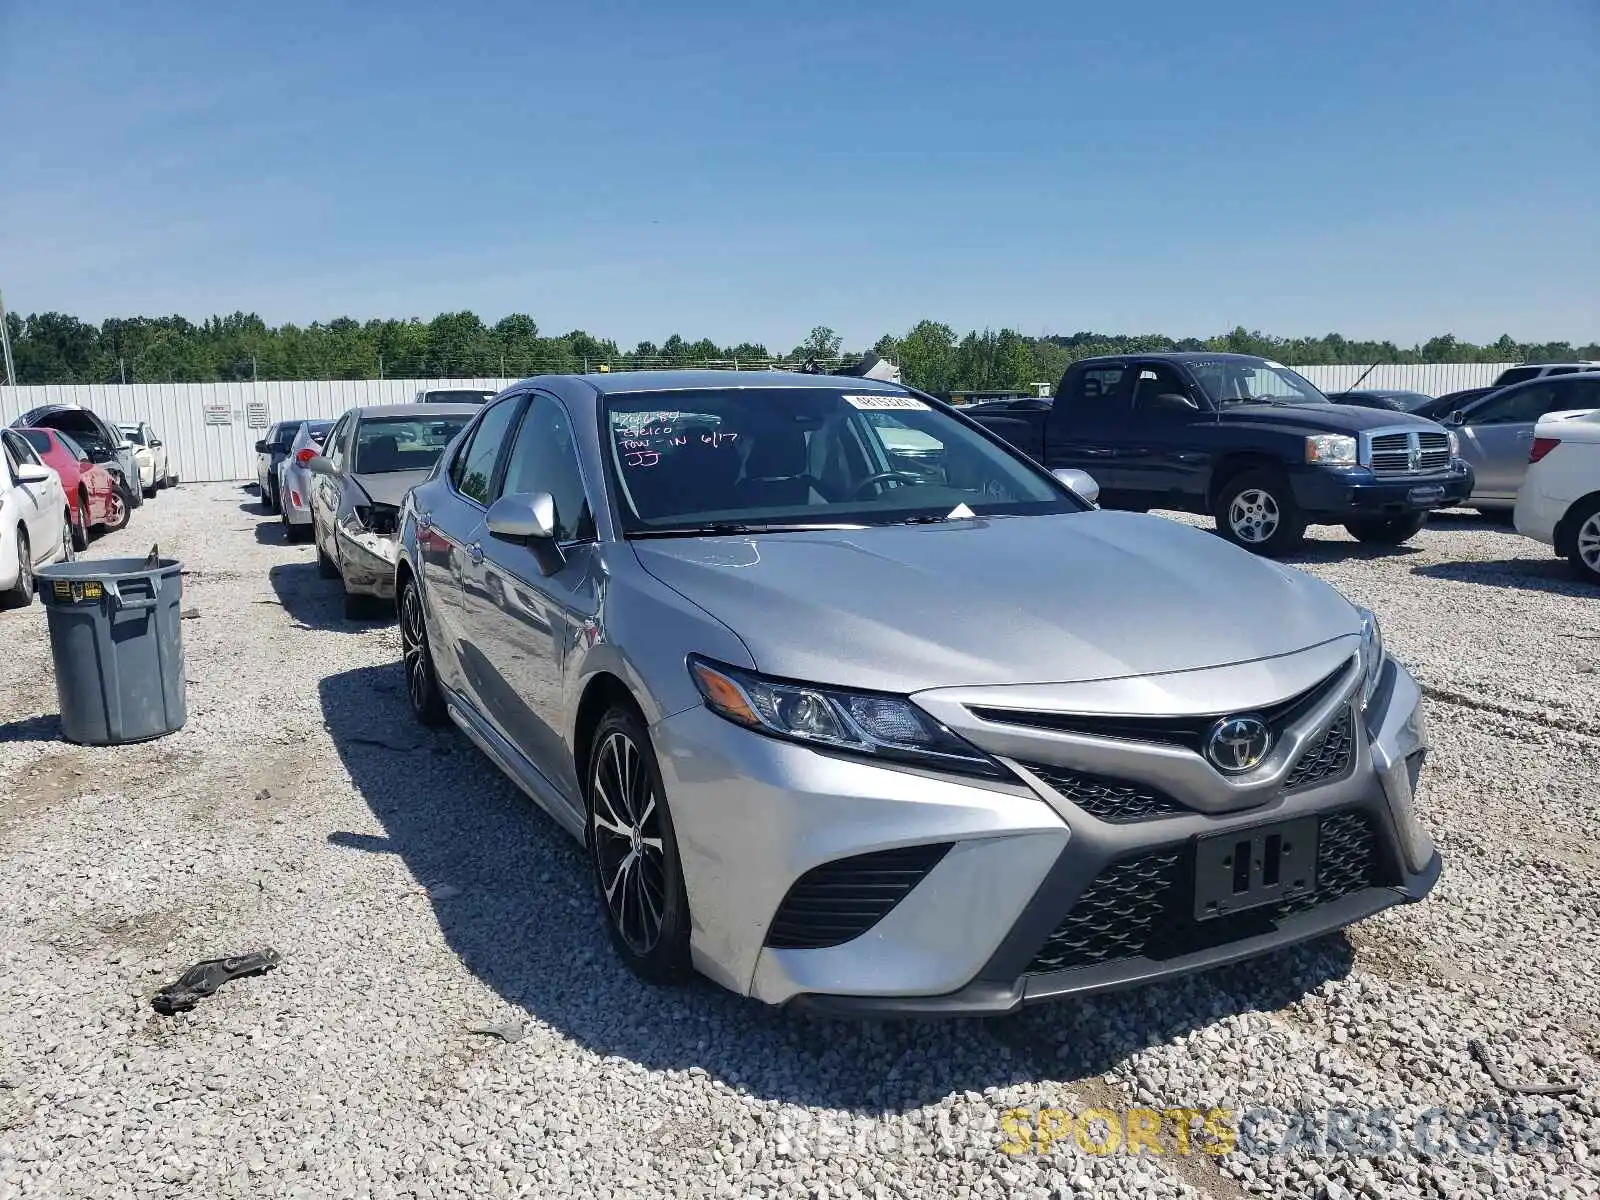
(1409, 453)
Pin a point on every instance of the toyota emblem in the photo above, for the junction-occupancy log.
(1238, 744)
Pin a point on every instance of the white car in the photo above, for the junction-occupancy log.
(155, 471)
(294, 480)
(35, 526)
(1559, 503)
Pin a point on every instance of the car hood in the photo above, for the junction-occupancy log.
(1322, 418)
(1096, 595)
(390, 487)
(68, 420)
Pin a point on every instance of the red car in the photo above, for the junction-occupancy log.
(96, 497)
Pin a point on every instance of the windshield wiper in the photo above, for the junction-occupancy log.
(722, 528)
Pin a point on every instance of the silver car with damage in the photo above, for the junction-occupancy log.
(370, 458)
(877, 734)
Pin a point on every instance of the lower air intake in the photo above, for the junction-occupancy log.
(831, 904)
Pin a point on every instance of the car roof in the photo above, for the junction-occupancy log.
(616, 382)
(1182, 356)
(418, 410)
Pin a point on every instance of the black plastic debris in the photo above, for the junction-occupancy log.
(508, 1031)
(1481, 1052)
(200, 980)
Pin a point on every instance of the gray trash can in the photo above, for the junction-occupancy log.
(116, 635)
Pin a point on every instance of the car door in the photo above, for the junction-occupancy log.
(1498, 433)
(1162, 463)
(325, 489)
(1089, 426)
(40, 501)
(451, 538)
(526, 622)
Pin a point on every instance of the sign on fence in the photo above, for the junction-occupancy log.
(255, 414)
(219, 414)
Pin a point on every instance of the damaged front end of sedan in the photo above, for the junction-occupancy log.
(370, 550)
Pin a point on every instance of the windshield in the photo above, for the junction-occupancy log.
(787, 457)
(1245, 381)
(460, 396)
(385, 444)
(132, 433)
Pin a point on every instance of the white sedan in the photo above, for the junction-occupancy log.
(151, 455)
(35, 526)
(1559, 502)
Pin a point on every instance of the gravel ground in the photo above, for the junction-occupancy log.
(413, 894)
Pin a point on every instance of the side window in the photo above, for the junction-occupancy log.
(1097, 388)
(1527, 403)
(21, 452)
(338, 438)
(545, 459)
(472, 472)
(1156, 379)
(1580, 393)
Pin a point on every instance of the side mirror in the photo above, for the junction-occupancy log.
(528, 518)
(1173, 402)
(1456, 418)
(155, 443)
(34, 473)
(319, 465)
(263, 447)
(1080, 482)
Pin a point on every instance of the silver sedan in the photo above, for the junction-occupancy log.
(871, 737)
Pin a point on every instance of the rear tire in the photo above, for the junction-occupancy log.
(69, 536)
(80, 523)
(20, 594)
(1256, 509)
(416, 656)
(120, 513)
(1582, 548)
(1386, 531)
(634, 851)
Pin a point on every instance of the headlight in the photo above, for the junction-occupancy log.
(1455, 443)
(1331, 450)
(878, 726)
(1371, 654)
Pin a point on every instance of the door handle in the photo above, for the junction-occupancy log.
(475, 552)
(1525, 436)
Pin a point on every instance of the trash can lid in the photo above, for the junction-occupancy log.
(107, 568)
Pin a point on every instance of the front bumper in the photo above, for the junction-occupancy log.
(754, 815)
(1346, 494)
(367, 562)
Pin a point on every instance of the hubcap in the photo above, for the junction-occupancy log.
(1589, 543)
(627, 843)
(1253, 516)
(414, 648)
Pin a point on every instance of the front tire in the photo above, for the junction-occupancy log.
(634, 850)
(269, 498)
(326, 567)
(1583, 543)
(416, 655)
(1386, 531)
(1256, 509)
(120, 513)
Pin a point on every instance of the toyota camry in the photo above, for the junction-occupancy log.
(878, 731)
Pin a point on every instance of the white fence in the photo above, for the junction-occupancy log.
(211, 429)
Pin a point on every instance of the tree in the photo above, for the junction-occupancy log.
(821, 344)
(928, 356)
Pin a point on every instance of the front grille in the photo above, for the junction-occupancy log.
(1391, 453)
(1141, 907)
(1328, 756)
(1188, 732)
(840, 900)
(1108, 799)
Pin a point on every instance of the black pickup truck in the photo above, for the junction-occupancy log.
(1244, 439)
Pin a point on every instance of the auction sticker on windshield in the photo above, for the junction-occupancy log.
(882, 402)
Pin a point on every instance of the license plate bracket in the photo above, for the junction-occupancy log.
(1247, 868)
(1426, 494)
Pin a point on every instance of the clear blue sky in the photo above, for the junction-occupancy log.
(746, 171)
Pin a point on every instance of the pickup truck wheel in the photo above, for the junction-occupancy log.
(1256, 510)
(1386, 531)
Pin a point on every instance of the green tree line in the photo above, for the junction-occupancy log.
(56, 348)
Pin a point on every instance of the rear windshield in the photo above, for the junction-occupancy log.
(132, 433)
(473, 396)
(386, 444)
